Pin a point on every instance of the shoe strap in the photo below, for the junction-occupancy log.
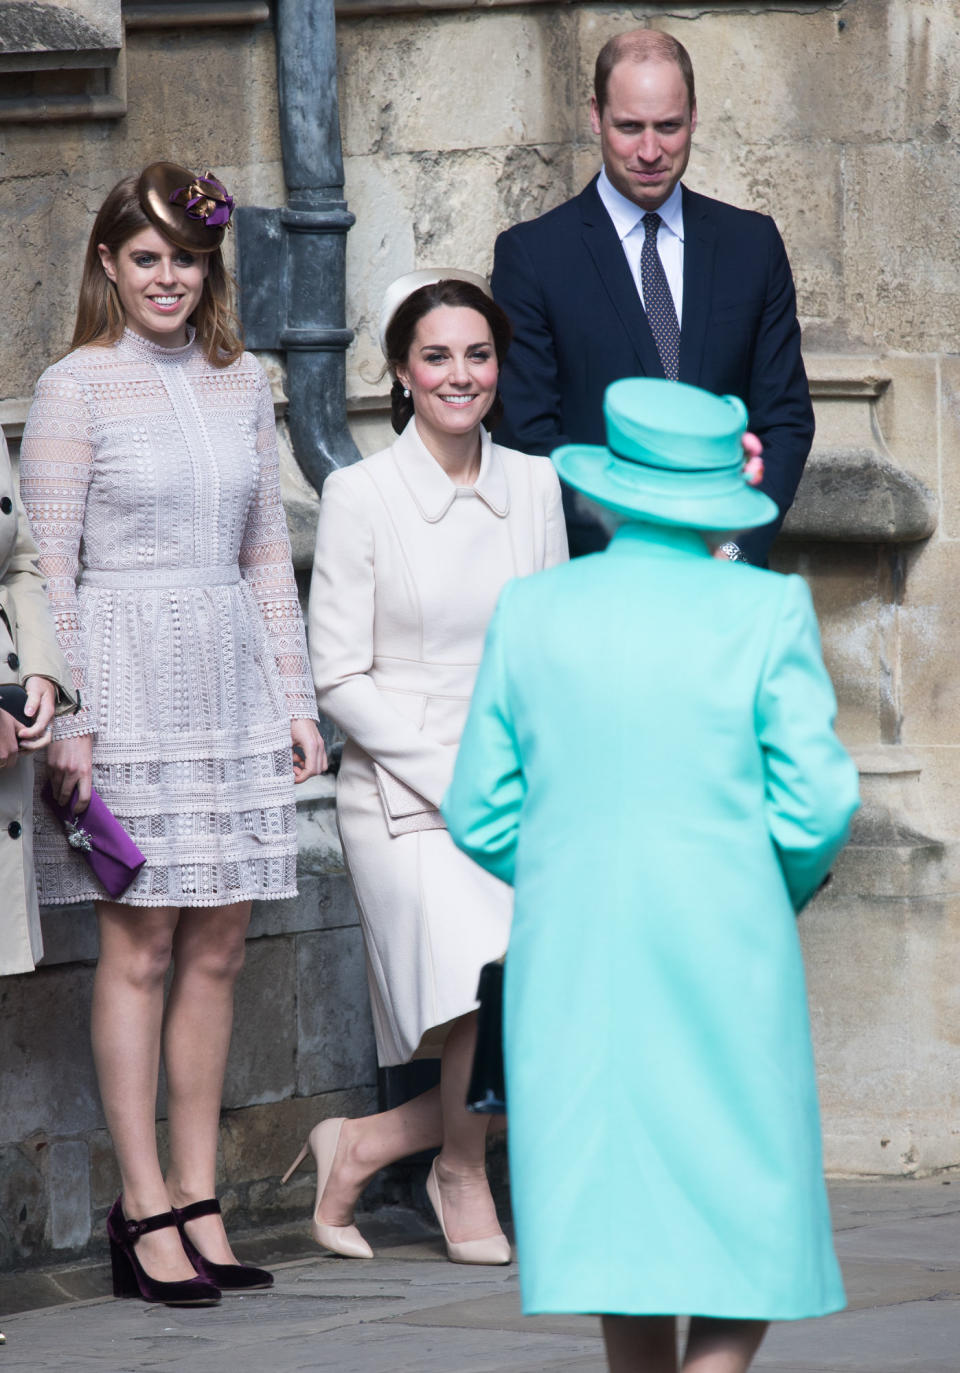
(195, 1209)
(136, 1228)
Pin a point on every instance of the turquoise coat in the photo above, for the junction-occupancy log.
(649, 759)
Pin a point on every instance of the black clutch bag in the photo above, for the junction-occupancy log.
(486, 1093)
(13, 698)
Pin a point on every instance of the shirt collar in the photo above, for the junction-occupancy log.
(432, 490)
(626, 215)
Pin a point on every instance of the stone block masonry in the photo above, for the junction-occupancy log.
(302, 1049)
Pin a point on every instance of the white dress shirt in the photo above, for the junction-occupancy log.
(628, 221)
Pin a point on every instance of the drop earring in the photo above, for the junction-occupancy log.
(406, 393)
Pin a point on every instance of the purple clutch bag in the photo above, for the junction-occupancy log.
(100, 838)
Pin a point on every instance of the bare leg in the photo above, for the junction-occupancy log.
(720, 1346)
(135, 950)
(434, 1117)
(371, 1143)
(641, 1344)
(208, 951)
(468, 1209)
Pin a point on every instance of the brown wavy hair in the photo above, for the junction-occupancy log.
(398, 339)
(100, 316)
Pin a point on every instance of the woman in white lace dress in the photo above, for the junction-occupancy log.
(150, 475)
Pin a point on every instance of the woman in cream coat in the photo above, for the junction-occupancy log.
(413, 547)
(29, 656)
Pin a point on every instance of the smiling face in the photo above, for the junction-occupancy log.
(159, 285)
(645, 130)
(451, 371)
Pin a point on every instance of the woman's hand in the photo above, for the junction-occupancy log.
(41, 703)
(309, 753)
(70, 764)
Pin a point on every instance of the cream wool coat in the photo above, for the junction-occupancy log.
(407, 572)
(28, 647)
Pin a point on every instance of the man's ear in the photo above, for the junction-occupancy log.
(693, 118)
(595, 117)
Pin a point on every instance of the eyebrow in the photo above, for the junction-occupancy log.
(445, 347)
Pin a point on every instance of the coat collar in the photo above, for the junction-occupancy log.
(661, 540)
(432, 490)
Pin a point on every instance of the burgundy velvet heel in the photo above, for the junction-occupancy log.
(129, 1278)
(229, 1277)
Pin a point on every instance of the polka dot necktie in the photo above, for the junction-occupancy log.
(657, 300)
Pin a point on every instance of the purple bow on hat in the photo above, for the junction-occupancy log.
(205, 198)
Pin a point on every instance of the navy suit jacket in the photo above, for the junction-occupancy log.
(564, 281)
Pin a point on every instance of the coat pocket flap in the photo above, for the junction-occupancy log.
(404, 809)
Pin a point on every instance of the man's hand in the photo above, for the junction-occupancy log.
(753, 475)
(753, 467)
(9, 748)
(41, 703)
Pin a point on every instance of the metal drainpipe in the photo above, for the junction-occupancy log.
(291, 263)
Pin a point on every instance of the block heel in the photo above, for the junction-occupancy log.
(129, 1276)
(124, 1278)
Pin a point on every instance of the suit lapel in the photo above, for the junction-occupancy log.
(606, 251)
(699, 248)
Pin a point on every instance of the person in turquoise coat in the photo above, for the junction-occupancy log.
(649, 759)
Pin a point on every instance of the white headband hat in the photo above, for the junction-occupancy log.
(398, 291)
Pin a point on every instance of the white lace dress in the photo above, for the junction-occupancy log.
(152, 484)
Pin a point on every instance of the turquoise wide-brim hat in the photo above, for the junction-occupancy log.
(673, 456)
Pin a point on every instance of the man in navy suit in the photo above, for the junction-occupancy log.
(639, 276)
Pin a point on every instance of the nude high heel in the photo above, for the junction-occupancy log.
(490, 1249)
(322, 1142)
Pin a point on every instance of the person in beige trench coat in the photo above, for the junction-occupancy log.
(30, 656)
(413, 547)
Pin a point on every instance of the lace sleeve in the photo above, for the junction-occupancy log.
(56, 465)
(266, 566)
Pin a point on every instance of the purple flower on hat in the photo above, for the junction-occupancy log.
(206, 199)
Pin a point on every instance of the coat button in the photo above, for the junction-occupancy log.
(6, 504)
(14, 829)
(13, 661)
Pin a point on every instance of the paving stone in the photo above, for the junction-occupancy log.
(410, 1311)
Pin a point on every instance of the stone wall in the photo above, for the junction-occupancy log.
(840, 119)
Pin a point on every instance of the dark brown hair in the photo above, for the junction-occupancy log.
(641, 45)
(100, 316)
(403, 326)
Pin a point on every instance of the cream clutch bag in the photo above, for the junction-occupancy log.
(404, 809)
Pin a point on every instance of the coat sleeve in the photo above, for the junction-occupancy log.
(529, 378)
(555, 539)
(482, 808)
(35, 636)
(56, 468)
(811, 782)
(781, 413)
(341, 625)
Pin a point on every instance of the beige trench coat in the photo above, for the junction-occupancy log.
(28, 647)
(407, 572)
